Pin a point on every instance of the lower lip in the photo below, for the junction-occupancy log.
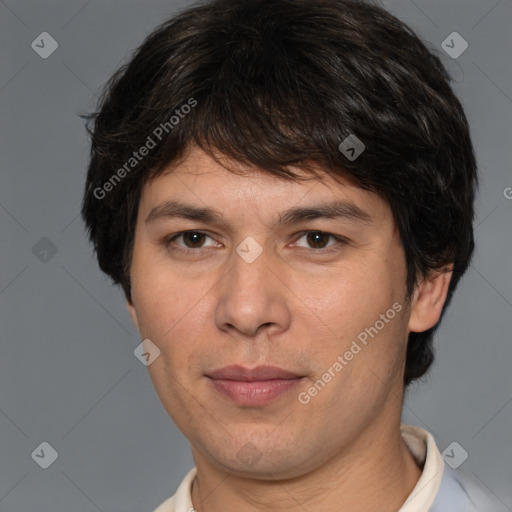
(255, 392)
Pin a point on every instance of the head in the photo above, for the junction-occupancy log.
(242, 108)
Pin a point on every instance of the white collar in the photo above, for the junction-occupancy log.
(423, 448)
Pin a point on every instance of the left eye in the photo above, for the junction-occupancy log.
(318, 239)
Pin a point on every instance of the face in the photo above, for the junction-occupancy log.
(265, 282)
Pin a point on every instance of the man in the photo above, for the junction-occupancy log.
(285, 190)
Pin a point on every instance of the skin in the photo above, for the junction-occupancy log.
(297, 306)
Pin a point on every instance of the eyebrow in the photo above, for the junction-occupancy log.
(326, 210)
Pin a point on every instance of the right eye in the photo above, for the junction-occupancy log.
(192, 241)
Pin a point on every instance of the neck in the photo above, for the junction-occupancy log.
(377, 471)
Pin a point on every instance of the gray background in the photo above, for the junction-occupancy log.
(67, 371)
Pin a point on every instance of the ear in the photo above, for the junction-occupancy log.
(133, 315)
(429, 298)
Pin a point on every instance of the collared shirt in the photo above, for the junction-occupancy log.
(439, 488)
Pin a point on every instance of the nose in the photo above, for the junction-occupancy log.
(253, 297)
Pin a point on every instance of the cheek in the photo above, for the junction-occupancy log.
(170, 317)
(173, 313)
(358, 316)
(348, 300)
(161, 298)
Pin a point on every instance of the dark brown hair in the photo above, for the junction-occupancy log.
(282, 83)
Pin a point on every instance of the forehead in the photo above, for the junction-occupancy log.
(200, 179)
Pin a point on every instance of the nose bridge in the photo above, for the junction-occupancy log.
(251, 295)
(249, 270)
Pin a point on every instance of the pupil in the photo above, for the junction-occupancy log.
(315, 236)
(195, 237)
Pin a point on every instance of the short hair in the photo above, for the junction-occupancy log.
(281, 84)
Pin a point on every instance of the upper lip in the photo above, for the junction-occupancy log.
(240, 373)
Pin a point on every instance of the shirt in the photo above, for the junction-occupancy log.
(439, 488)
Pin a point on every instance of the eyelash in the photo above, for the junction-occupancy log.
(339, 239)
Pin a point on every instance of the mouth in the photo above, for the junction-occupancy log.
(253, 387)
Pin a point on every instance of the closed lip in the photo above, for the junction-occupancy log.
(259, 373)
